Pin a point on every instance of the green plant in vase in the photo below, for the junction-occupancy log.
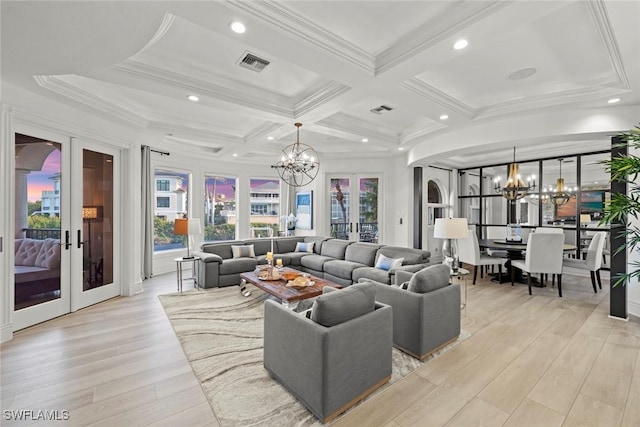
(623, 207)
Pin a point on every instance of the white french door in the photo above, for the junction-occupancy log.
(65, 224)
(354, 207)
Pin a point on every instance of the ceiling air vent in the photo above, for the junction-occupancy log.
(381, 109)
(253, 62)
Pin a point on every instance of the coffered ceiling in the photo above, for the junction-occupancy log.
(364, 77)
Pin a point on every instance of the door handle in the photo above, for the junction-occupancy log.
(357, 224)
(80, 242)
(67, 239)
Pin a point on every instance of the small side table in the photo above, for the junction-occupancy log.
(195, 270)
(461, 276)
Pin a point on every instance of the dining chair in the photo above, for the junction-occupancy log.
(543, 256)
(549, 230)
(469, 253)
(593, 261)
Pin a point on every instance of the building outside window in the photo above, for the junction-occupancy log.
(219, 208)
(170, 203)
(264, 207)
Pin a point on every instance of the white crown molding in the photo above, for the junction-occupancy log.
(187, 83)
(319, 97)
(425, 90)
(286, 20)
(599, 12)
(65, 128)
(261, 131)
(162, 30)
(410, 136)
(208, 136)
(56, 85)
(358, 127)
(461, 15)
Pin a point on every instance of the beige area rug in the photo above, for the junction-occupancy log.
(221, 333)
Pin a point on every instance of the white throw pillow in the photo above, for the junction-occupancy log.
(243, 251)
(386, 263)
(304, 247)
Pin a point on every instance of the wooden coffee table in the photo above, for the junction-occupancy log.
(279, 289)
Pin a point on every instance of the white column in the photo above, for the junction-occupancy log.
(7, 153)
(21, 199)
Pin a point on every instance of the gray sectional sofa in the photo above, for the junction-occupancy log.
(340, 261)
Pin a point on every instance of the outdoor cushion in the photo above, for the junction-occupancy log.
(334, 308)
(429, 279)
(243, 251)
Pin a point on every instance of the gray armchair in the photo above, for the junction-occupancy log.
(426, 315)
(329, 368)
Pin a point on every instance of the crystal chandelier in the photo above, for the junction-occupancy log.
(561, 195)
(298, 164)
(515, 188)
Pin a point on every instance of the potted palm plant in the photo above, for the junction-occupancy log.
(623, 207)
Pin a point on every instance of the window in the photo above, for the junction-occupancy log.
(219, 208)
(434, 200)
(172, 189)
(264, 204)
(162, 185)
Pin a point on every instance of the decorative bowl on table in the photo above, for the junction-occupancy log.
(269, 274)
(300, 282)
(289, 275)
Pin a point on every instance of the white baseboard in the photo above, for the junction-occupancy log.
(6, 332)
(133, 289)
(633, 307)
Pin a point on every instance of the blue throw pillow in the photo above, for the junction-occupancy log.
(304, 247)
(386, 263)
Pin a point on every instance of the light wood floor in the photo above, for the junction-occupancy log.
(530, 361)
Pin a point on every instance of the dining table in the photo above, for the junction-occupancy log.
(515, 250)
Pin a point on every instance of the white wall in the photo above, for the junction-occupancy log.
(633, 293)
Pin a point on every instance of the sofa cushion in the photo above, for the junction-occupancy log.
(243, 251)
(335, 248)
(385, 263)
(261, 246)
(363, 253)
(314, 262)
(340, 268)
(429, 279)
(333, 308)
(304, 247)
(295, 258)
(410, 255)
(238, 265)
(223, 250)
(318, 242)
(286, 244)
(371, 273)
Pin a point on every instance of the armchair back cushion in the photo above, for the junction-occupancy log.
(429, 279)
(333, 308)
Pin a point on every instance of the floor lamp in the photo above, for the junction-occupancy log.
(451, 229)
(90, 214)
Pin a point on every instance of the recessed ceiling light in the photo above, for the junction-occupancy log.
(238, 27)
(193, 98)
(365, 140)
(614, 100)
(460, 44)
(444, 117)
(400, 148)
(235, 154)
(270, 138)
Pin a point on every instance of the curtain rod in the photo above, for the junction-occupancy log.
(162, 153)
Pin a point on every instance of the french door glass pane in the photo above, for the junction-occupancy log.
(339, 190)
(37, 216)
(97, 219)
(368, 215)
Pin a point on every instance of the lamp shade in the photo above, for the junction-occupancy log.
(450, 228)
(584, 218)
(181, 227)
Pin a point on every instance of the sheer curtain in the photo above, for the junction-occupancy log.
(147, 214)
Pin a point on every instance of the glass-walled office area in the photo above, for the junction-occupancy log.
(577, 208)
